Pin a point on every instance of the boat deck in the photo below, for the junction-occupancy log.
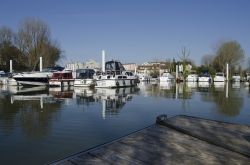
(177, 140)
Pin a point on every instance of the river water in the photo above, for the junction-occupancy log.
(39, 125)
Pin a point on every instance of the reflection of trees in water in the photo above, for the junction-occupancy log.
(178, 91)
(230, 106)
(35, 122)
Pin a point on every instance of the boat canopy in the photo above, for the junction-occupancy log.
(85, 73)
(219, 74)
(114, 66)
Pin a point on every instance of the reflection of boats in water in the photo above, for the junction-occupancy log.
(219, 85)
(203, 84)
(38, 93)
(192, 85)
(166, 85)
(61, 93)
(236, 84)
(114, 99)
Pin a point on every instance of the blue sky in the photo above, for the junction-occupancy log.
(135, 30)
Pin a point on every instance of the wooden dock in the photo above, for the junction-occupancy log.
(177, 140)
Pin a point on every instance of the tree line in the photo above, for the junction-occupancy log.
(24, 47)
(228, 52)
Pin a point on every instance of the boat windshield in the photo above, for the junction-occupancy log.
(114, 66)
(85, 73)
(219, 74)
(53, 69)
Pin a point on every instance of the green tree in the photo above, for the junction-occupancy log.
(184, 57)
(8, 51)
(228, 52)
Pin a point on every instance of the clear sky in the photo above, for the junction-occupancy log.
(135, 30)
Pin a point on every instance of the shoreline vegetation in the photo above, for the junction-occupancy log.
(33, 40)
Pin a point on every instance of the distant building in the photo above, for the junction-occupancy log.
(130, 66)
(91, 64)
(74, 66)
(154, 67)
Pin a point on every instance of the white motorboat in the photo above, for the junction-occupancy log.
(84, 78)
(192, 77)
(3, 78)
(166, 77)
(204, 78)
(144, 77)
(248, 77)
(61, 79)
(166, 85)
(36, 78)
(236, 78)
(219, 77)
(115, 76)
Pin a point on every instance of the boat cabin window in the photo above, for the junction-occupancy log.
(219, 74)
(56, 76)
(129, 73)
(67, 75)
(62, 75)
(85, 73)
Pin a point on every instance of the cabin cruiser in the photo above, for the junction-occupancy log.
(219, 77)
(115, 76)
(61, 79)
(36, 78)
(205, 78)
(3, 78)
(84, 78)
(193, 77)
(166, 77)
(236, 78)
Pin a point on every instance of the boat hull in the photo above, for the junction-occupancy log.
(114, 83)
(84, 82)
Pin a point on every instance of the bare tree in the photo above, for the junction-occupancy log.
(34, 40)
(207, 60)
(184, 55)
(6, 35)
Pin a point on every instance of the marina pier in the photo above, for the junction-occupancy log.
(177, 140)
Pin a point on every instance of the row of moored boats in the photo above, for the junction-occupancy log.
(114, 75)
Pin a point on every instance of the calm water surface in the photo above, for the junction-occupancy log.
(40, 125)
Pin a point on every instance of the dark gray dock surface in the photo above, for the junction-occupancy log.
(177, 140)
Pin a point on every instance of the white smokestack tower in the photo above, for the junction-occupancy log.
(11, 70)
(41, 64)
(227, 72)
(103, 60)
